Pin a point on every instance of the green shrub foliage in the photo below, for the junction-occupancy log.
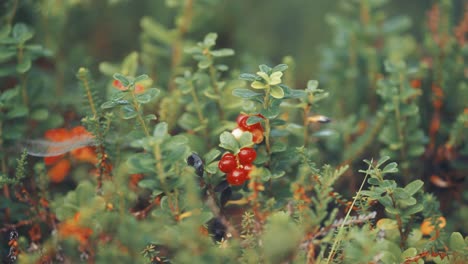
(184, 151)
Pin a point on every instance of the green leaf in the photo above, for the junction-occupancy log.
(386, 201)
(156, 192)
(245, 140)
(392, 210)
(373, 181)
(188, 121)
(245, 93)
(387, 224)
(249, 77)
(456, 242)
(400, 194)
(277, 174)
(396, 24)
(258, 85)
(24, 65)
(280, 68)
(413, 209)
(176, 141)
(141, 163)
(211, 155)
(128, 112)
(147, 96)
(22, 33)
(312, 84)
(118, 95)
(108, 104)
(414, 186)
(150, 117)
(264, 173)
(130, 64)
(382, 160)
(6, 71)
(6, 54)
(264, 68)
(176, 152)
(203, 64)
(210, 39)
(17, 111)
(277, 92)
(193, 50)
(156, 30)
(370, 194)
(278, 146)
(416, 151)
(160, 131)
(212, 168)
(277, 122)
(108, 68)
(407, 202)
(254, 120)
(40, 114)
(390, 168)
(273, 111)
(295, 94)
(5, 31)
(122, 79)
(410, 252)
(9, 94)
(148, 184)
(229, 142)
(222, 67)
(222, 52)
(141, 78)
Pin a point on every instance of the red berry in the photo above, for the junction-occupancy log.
(257, 136)
(242, 123)
(228, 156)
(227, 163)
(246, 156)
(248, 167)
(258, 125)
(237, 177)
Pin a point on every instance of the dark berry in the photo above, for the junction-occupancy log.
(195, 161)
(217, 229)
(246, 156)
(237, 177)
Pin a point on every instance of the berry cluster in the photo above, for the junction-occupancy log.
(256, 129)
(237, 167)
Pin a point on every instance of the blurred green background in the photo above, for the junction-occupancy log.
(265, 30)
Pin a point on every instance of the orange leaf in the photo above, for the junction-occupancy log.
(57, 134)
(52, 160)
(59, 171)
(72, 228)
(85, 154)
(427, 228)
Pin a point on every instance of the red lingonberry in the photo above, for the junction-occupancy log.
(242, 123)
(227, 163)
(246, 156)
(257, 136)
(237, 177)
(248, 167)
